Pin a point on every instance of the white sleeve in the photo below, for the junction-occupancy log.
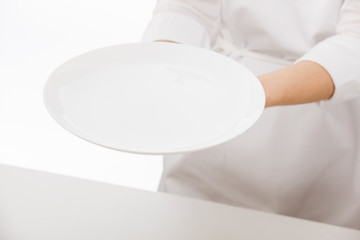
(193, 22)
(340, 54)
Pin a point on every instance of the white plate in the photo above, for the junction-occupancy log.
(154, 98)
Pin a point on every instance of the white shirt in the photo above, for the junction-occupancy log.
(302, 160)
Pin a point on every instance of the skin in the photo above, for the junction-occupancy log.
(302, 82)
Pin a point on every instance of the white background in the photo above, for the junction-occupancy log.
(35, 37)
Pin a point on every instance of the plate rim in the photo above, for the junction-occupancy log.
(94, 140)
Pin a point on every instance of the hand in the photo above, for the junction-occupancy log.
(303, 82)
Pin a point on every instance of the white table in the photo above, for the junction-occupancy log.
(43, 206)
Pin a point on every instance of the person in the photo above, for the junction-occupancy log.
(302, 157)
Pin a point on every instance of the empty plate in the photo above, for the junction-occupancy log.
(154, 98)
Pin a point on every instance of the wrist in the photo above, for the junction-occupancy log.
(270, 96)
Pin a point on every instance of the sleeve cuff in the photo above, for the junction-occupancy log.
(340, 56)
(178, 28)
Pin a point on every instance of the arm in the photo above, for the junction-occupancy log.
(336, 58)
(192, 22)
(329, 70)
(303, 82)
